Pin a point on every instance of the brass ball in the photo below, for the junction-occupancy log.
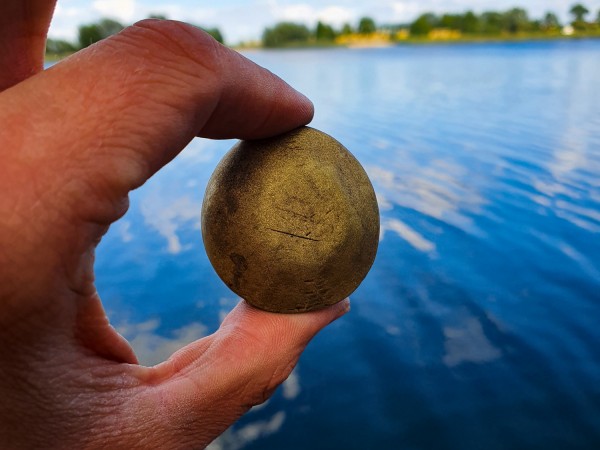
(291, 223)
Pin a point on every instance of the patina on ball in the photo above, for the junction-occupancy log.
(291, 223)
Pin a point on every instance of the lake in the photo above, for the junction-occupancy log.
(479, 324)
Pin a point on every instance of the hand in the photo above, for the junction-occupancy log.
(74, 141)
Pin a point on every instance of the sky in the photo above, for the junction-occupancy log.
(244, 20)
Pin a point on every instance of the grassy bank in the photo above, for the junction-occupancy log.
(523, 37)
(380, 41)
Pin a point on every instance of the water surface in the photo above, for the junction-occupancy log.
(478, 326)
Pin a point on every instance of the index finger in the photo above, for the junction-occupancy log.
(23, 28)
(135, 100)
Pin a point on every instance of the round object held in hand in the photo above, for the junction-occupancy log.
(291, 223)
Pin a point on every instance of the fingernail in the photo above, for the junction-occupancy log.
(347, 304)
(344, 308)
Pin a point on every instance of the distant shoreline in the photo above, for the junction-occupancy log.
(52, 58)
(499, 39)
(427, 41)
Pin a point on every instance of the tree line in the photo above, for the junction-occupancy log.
(512, 22)
(289, 33)
(491, 23)
(91, 33)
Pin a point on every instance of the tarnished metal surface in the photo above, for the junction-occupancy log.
(291, 224)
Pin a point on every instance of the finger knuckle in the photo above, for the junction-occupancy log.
(261, 363)
(170, 39)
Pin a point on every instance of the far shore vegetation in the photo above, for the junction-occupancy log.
(512, 25)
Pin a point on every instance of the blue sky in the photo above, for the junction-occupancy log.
(245, 19)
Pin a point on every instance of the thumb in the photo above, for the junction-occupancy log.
(209, 384)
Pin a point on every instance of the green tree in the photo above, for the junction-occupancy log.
(423, 25)
(579, 12)
(451, 21)
(59, 47)
(516, 20)
(491, 22)
(470, 23)
(92, 33)
(347, 29)
(285, 33)
(216, 34)
(367, 26)
(535, 25)
(324, 32)
(108, 27)
(88, 35)
(551, 21)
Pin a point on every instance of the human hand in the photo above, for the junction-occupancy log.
(74, 141)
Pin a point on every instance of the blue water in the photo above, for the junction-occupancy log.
(479, 324)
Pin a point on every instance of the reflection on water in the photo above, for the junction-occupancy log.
(240, 438)
(166, 214)
(152, 348)
(406, 233)
(434, 189)
(477, 326)
(468, 343)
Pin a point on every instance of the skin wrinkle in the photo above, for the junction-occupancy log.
(158, 75)
(182, 364)
(131, 100)
(246, 391)
(275, 381)
(205, 51)
(268, 117)
(71, 262)
(159, 415)
(89, 382)
(171, 83)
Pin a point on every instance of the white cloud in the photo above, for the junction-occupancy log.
(67, 18)
(120, 9)
(404, 11)
(301, 13)
(310, 15)
(337, 15)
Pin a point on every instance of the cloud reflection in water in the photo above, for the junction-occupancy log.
(236, 439)
(152, 348)
(468, 343)
(435, 190)
(166, 215)
(408, 234)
